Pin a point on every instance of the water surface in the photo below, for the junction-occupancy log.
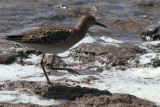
(125, 19)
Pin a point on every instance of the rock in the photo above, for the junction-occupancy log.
(76, 95)
(156, 62)
(71, 93)
(110, 56)
(151, 33)
(7, 58)
(116, 100)
(5, 104)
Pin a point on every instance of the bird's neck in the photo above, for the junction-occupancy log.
(82, 28)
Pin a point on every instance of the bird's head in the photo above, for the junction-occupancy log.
(90, 21)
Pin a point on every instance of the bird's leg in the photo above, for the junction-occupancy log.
(48, 81)
(53, 57)
(68, 69)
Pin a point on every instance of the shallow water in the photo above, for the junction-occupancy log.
(125, 19)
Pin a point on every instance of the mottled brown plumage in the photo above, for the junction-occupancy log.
(50, 35)
(56, 40)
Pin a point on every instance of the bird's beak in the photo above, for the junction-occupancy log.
(97, 23)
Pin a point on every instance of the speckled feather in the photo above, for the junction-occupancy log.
(49, 35)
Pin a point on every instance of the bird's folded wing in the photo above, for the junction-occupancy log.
(50, 35)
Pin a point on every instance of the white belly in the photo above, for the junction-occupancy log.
(52, 49)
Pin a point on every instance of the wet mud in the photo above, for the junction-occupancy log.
(87, 54)
(76, 95)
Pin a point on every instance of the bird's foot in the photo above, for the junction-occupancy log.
(71, 71)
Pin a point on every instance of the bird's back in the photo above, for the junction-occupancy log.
(49, 35)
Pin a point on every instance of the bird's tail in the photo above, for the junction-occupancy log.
(14, 37)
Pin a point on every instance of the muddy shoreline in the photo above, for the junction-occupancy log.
(76, 95)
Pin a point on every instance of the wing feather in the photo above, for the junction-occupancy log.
(49, 35)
